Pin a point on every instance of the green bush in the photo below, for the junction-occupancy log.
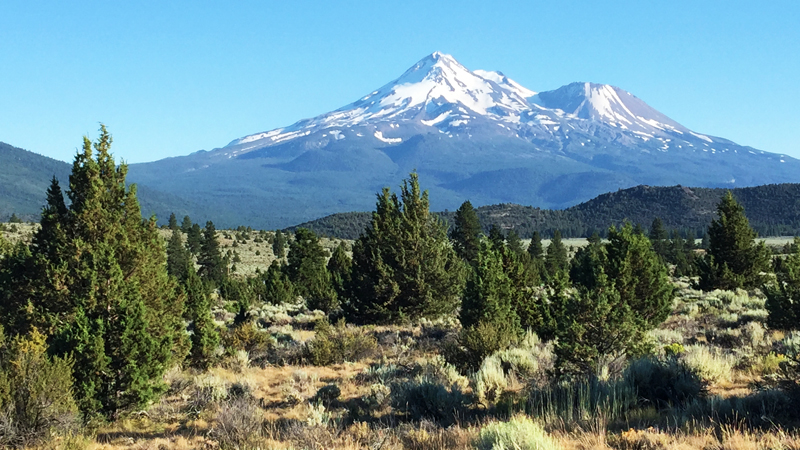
(490, 380)
(474, 344)
(710, 364)
(337, 344)
(663, 382)
(35, 393)
(425, 398)
(519, 433)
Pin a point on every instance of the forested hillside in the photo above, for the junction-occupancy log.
(773, 210)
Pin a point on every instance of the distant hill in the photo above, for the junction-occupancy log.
(25, 177)
(773, 210)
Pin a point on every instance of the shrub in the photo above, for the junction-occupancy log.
(711, 365)
(238, 424)
(447, 374)
(663, 382)
(35, 392)
(335, 345)
(490, 380)
(476, 343)
(247, 337)
(423, 397)
(519, 433)
(790, 367)
(327, 394)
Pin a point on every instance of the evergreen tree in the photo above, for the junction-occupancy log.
(488, 293)
(535, 249)
(339, 266)
(734, 260)
(213, 266)
(514, 243)
(466, 232)
(14, 219)
(279, 244)
(555, 259)
(404, 267)
(588, 263)
(659, 238)
(308, 272)
(194, 239)
(205, 337)
(100, 288)
(173, 222)
(178, 258)
(186, 224)
(783, 295)
(496, 238)
(276, 288)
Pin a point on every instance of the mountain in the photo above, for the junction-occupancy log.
(474, 135)
(773, 210)
(25, 177)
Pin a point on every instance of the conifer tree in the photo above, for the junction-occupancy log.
(275, 287)
(734, 260)
(100, 288)
(194, 239)
(404, 267)
(555, 259)
(659, 238)
(340, 266)
(308, 273)
(186, 224)
(535, 249)
(496, 238)
(466, 232)
(783, 295)
(279, 244)
(213, 266)
(178, 258)
(173, 222)
(588, 263)
(205, 337)
(488, 296)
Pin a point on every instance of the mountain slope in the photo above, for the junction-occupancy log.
(474, 135)
(773, 210)
(25, 177)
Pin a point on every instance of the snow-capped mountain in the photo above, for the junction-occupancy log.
(474, 135)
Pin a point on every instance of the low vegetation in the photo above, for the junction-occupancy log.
(117, 334)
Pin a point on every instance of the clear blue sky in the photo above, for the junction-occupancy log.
(170, 78)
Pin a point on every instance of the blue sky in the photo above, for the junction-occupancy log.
(170, 78)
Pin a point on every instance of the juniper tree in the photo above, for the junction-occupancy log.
(213, 267)
(783, 295)
(466, 232)
(404, 267)
(179, 260)
(194, 239)
(555, 259)
(340, 266)
(535, 249)
(102, 292)
(275, 287)
(308, 273)
(279, 244)
(205, 337)
(734, 260)
(488, 295)
(173, 222)
(186, 224)
(659, 238)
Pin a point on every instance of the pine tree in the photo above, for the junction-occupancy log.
(340, 266)
(489, 292)
(466, 232)
(555, 259)
(496, 237)
(588, 263)
(514, 243)
(186, 224)
(213, 266)
(279, 244)
(734, 260)
(308, 272)
(205, 337)
(100, 288)
(783, 295)
(173, 222)
(404, 267)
